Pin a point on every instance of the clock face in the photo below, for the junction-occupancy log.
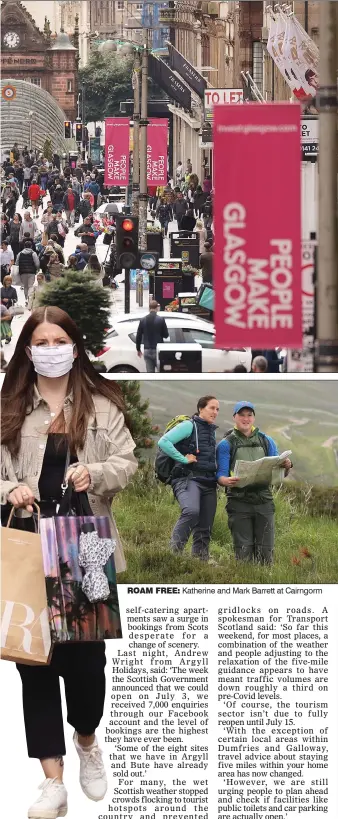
(11, 39)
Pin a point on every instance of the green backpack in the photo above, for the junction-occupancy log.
(235, 444)
(163, 463)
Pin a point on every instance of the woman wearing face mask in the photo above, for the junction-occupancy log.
(55, 404)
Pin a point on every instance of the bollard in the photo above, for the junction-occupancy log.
(139, 289)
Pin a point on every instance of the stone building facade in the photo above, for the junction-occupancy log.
(46, 61)
(97, 19)
(204, 32)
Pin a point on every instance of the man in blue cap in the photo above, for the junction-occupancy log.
(250, 509)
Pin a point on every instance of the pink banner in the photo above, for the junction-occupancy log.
(116, 151)
(157, 164)
(257, 264)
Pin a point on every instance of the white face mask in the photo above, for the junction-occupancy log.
(53, 362)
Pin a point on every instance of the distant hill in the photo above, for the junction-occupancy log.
(299, 415)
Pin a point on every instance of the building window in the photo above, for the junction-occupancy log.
(139, 6)
(35, 81)
(205, 50)
(120, 5)
(69, 86)
(315, 35)
(257, 64)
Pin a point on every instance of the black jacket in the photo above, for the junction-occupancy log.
(10, 294)
(201, 443)
(152, 330)
(180, 208)
(76, 201)
(188, 222)
(206, 265)
(57, 197)
(15, 232)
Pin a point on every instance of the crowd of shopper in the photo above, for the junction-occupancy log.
(53, 201)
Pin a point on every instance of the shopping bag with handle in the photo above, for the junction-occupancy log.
(78, 554)
(25, 633)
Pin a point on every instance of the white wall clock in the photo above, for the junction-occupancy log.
(11, 39)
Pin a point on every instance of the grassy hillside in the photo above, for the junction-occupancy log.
(306, 546)
(302, 417)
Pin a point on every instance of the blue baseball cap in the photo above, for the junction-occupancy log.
(243, 405)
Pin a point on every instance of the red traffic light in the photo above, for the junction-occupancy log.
(127, 224)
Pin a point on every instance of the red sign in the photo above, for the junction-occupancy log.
(302, 361)
(117, 151)
(157, 164)
(257, 266)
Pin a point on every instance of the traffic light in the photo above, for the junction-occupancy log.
(126, 242)
(78, 129)
(68, 130)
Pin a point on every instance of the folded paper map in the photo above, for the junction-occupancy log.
(265, 470)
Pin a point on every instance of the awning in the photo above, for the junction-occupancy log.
(166, 79)
(187, 71)
(193, 123)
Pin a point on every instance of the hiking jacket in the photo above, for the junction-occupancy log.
(249, 449)
(196, 437)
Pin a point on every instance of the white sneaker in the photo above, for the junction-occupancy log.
(93, 778)
(52, 802)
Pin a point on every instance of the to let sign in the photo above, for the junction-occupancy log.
(220, 96)
(257, 264)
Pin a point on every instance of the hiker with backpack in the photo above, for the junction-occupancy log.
(187, 462)
(251, 509)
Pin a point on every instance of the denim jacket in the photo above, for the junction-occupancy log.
(107, 453)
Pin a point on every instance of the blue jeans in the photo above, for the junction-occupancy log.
(150, 358)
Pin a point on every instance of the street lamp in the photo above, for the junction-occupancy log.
(140, 189)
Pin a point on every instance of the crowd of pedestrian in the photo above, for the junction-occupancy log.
(190, 203)
(54, 200)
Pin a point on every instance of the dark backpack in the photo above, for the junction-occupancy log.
(235, 444)
(26, 262)
(164, 465)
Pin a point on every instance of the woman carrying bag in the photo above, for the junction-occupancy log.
(57, 409)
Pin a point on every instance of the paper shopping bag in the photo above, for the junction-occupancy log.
(25, 634)
(72, 617)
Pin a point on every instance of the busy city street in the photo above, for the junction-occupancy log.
(70, 244)
(139, 169)
(169, 424)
